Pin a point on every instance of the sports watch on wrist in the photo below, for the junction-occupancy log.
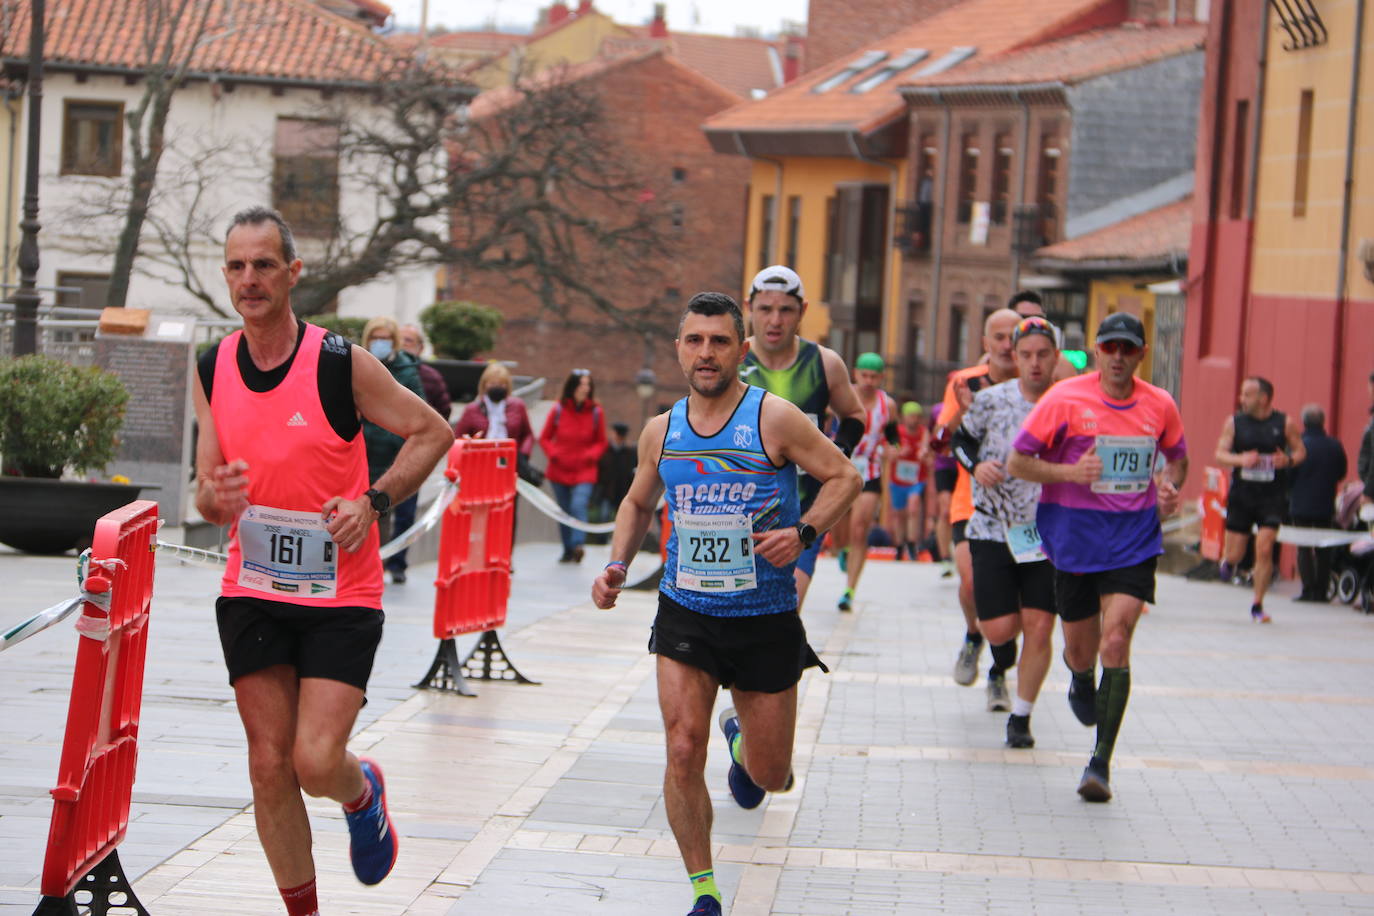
(381, 501)
(807, 534)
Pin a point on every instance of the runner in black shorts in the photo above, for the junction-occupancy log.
(1259, 444)
(280, 459)
(1092, 443)
(727, 613)
(1013, 582)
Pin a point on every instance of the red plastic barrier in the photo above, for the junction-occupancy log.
(1214, 513)
(95, 778)
(473, 583)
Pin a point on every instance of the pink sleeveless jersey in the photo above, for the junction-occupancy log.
(296, 461)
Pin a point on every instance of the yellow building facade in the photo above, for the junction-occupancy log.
(807, 186)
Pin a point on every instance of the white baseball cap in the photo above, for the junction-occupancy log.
(778, 277)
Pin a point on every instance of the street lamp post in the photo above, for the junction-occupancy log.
(26, 299)
(646, 383)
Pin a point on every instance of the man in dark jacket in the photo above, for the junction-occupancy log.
(1365, 467)
(1312, 498)
(615, 471)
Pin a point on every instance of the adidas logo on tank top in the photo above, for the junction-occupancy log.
(297, 420)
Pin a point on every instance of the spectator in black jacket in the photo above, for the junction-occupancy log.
(1312, 498)
(1365, 466)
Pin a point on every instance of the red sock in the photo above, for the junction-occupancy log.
(362, 801)
(301, 901)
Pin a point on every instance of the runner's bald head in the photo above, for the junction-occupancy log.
(1001, 316)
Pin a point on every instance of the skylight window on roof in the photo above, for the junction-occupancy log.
(908, 58)
(947, 60)
(859, 65)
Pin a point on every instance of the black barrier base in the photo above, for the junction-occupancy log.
(445, 673)
(103, 889)
(488, 662)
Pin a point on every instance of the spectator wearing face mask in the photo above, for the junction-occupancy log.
(495, 414)
(412, 340)
(379, 337)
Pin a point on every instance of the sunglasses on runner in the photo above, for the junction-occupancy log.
(1032, 325)
(1113, 347)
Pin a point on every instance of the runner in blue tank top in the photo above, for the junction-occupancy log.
(728, 456)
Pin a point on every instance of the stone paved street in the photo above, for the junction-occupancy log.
(1243, 775)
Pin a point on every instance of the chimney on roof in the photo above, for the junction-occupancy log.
(558, 12)
(791, 58)
(659, 27)
(584, 7)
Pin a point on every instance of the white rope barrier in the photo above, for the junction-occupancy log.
(59, 612)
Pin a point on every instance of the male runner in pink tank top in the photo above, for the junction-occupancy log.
(281, 461)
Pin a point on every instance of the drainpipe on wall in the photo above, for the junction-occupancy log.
(774, 256)
(893, 171)
(1251, 188)
(1020, 185)
(938, 256)
(1352, 120)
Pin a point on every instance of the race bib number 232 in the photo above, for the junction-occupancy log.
(715, 553)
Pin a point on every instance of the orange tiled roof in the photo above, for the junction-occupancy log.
(1076, 58)
(992, 26)
(1150, 236)
(490, 42)
(494, 100)
(739, 64)
(277, 39)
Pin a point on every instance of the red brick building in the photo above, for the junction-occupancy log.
(656, 104)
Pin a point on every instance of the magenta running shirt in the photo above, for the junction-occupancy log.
(1113, 523)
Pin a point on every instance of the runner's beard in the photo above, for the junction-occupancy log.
(723, 380)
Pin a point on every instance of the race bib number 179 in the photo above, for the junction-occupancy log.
(1127, 464)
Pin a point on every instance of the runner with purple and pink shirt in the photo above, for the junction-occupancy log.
(1093, 442)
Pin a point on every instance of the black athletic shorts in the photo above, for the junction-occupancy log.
(338, 643)
(1264, 509)
(958, 532)
(766, 652)
(873, 486)
(945, 479)
(1078, 596)
(1002, 586)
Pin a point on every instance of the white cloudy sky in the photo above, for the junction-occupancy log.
(717, 16)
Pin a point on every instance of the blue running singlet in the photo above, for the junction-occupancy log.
(720, 489)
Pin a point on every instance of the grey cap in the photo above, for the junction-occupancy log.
(1121, 326)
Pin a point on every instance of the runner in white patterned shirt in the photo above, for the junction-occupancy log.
(1013, 582)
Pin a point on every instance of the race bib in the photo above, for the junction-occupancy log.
(1127, 463)
(861, 465)
(1024, 543)
(1263, 472)
(715, 553)
(906, 473)
(287, 554)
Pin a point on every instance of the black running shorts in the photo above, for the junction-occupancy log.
(337, 643)
(1245, 508)
(945, 479)
(765, 653)
(1002, 586)
(1078, 596)
(958, 532)
(873, 486)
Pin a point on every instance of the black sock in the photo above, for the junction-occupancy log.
(1003, 657)
(975, 638)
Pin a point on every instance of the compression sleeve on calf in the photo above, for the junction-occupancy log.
(890, 433)
(964, 448)
(849, 434)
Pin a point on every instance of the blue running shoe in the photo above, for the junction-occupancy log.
(746, 792)
(372, 839)
(843, 557)
(706, 905)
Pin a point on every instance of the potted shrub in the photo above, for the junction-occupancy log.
(56, 418)
(458, 331)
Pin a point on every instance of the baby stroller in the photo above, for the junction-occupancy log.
(1345, 566)
(1362, 560)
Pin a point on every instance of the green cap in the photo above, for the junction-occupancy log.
(870, 361)
(911, 407)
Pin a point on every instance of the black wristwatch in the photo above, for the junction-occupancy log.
(381, 501)
(807, 534)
